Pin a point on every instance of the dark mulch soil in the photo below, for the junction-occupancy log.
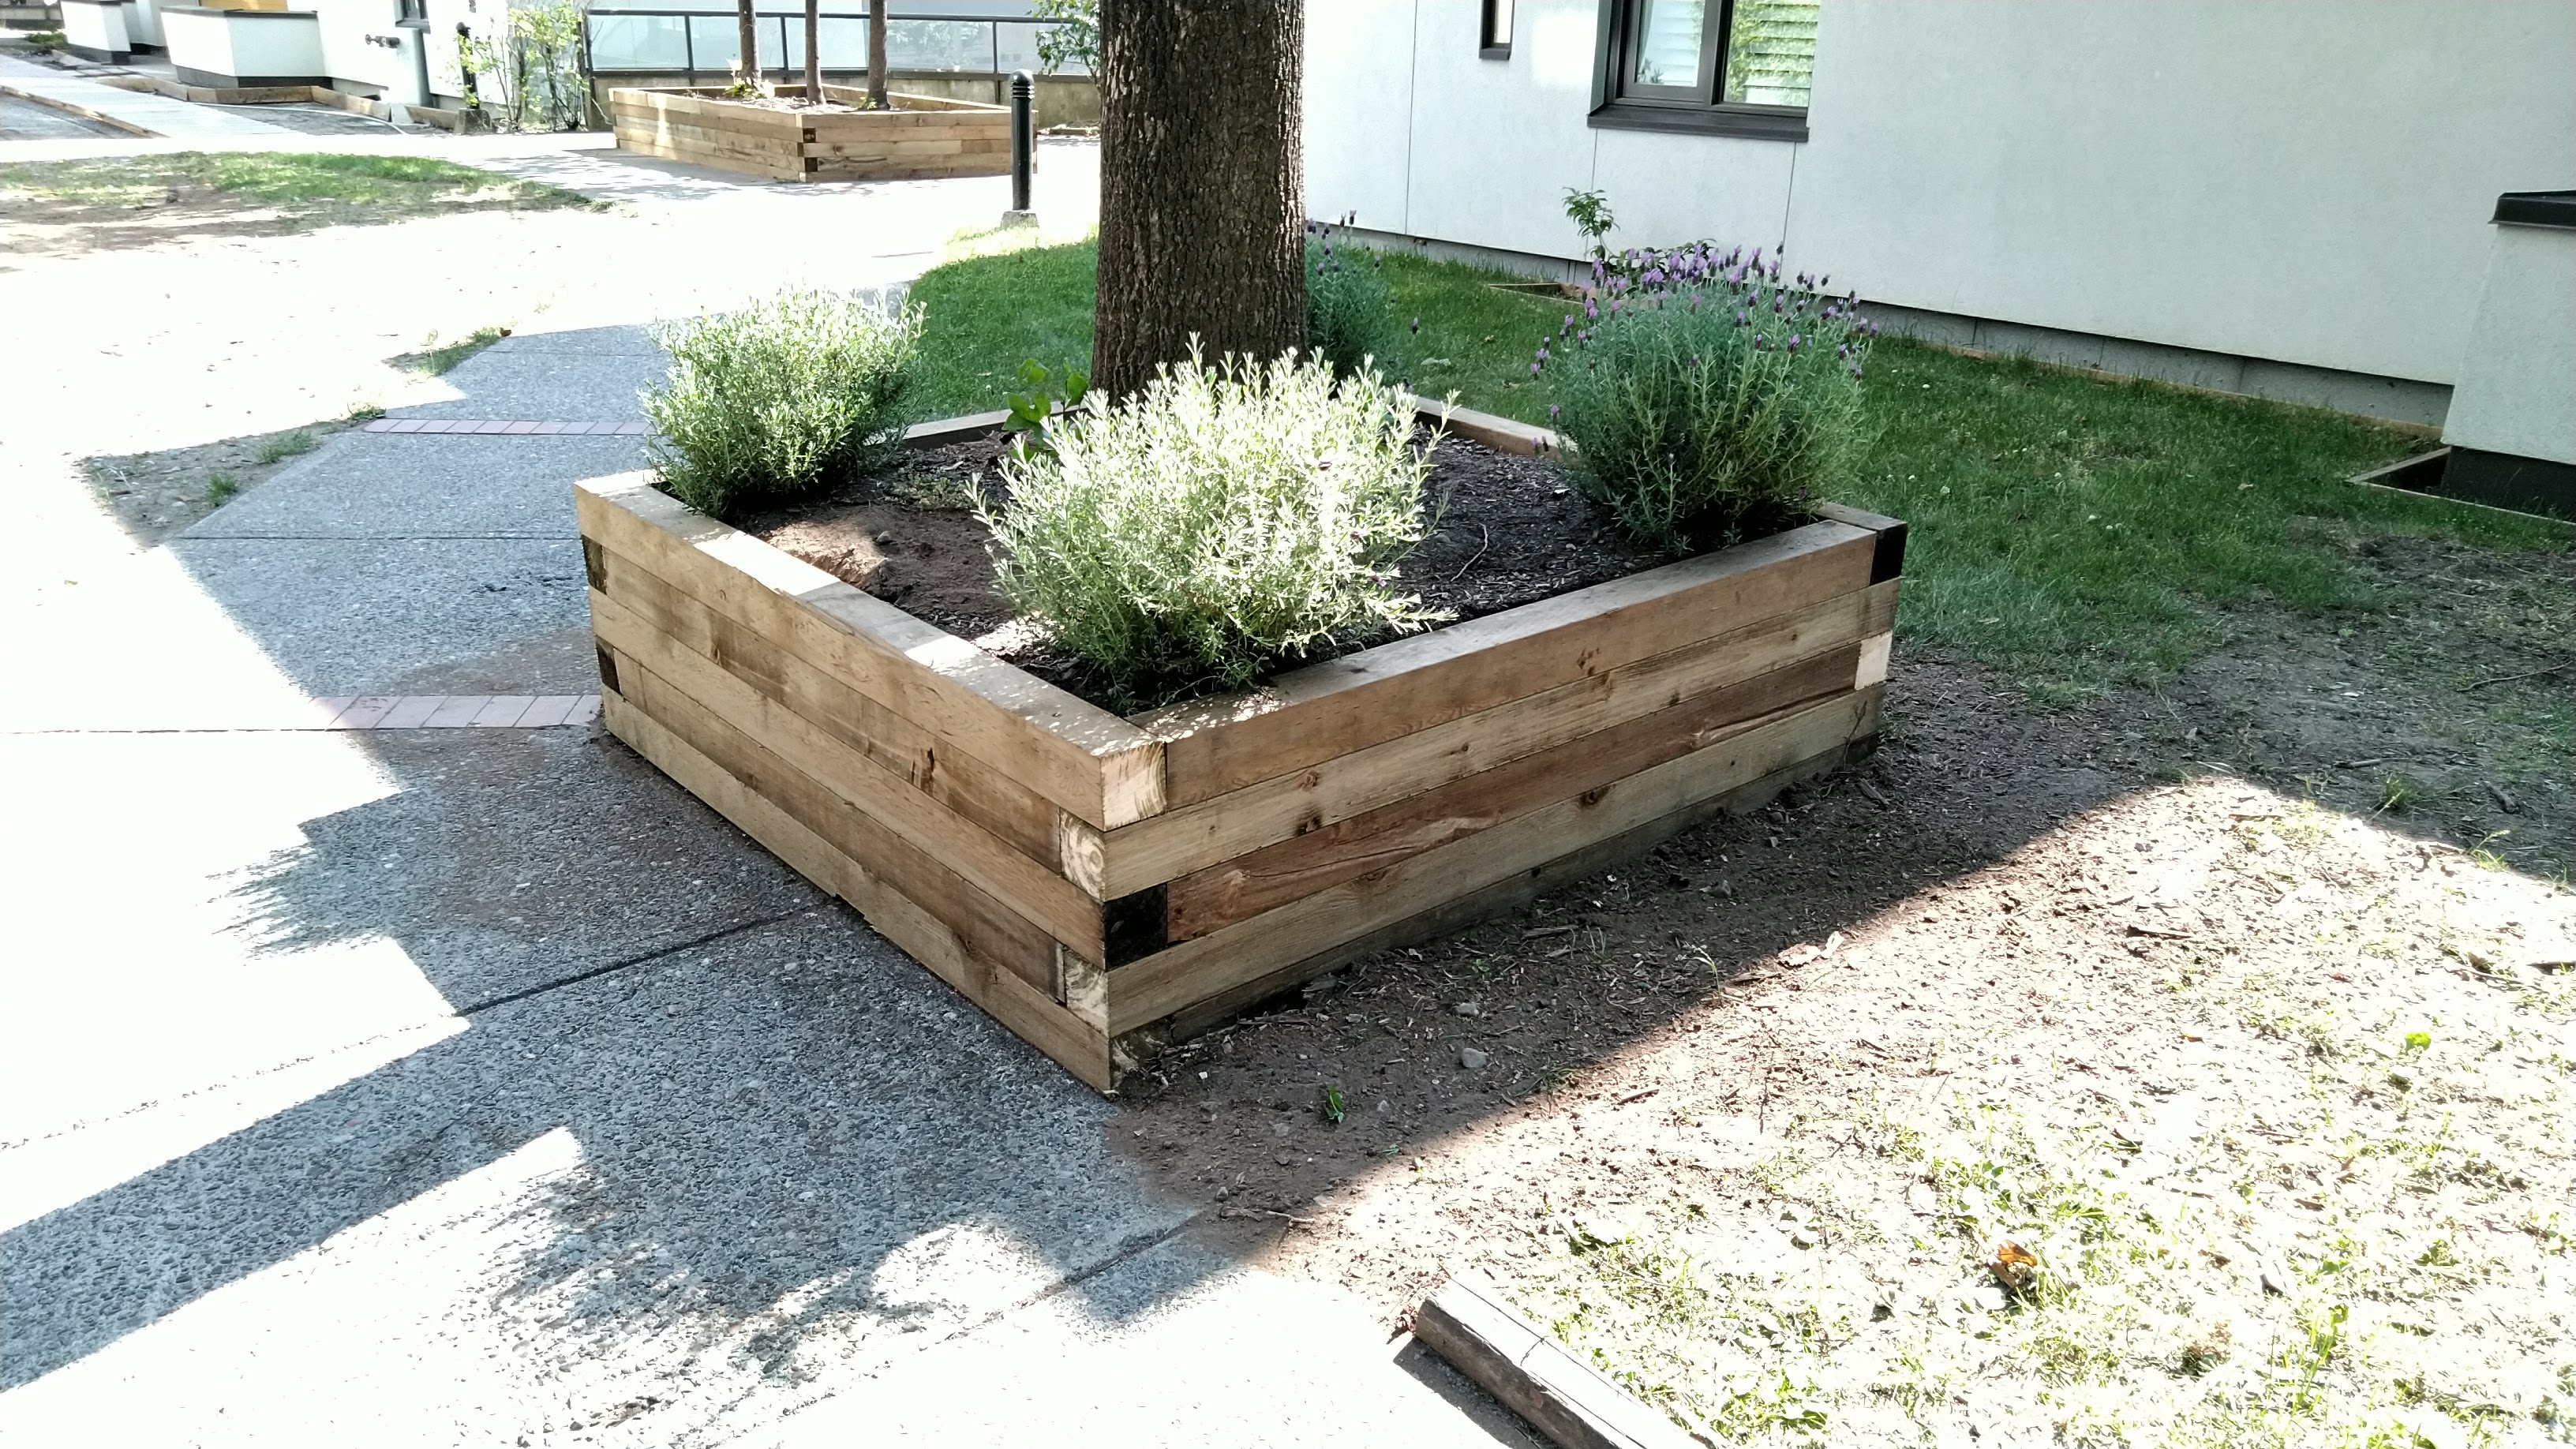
(1509, 531)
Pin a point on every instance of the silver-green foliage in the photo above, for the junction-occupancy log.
(1703, 414)
(781, 398)
(1229, 518)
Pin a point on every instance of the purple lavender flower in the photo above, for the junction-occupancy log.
(1417, 326)
(1551, 412)
(1533, 369)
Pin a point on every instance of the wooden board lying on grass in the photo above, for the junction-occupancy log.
(1104, 884)
(1467, 1322)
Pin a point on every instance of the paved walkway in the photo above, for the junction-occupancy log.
(144, 112)
(443, 1086)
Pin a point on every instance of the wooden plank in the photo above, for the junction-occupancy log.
(1097, 766)
(703, 156)
(1511, 893)
(688, 131)
(958, 844)
(712, 112)
(877, 148)
(754, 129)
(1008, 810)
(1330, 709)
(1080, 1048)
(1194, 837)
(1170, 980)
(686, 143)
(1467, 1322)
(982, 925)
(1208, 900)
(1502, 434)
(910, 170)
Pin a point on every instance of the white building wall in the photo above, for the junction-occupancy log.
(2517, 385)
(2303, 182)
(353, 52)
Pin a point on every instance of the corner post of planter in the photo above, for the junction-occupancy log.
(1023, 148)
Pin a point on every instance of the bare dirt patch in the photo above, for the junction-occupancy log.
(157, 494)
(2274, 1093)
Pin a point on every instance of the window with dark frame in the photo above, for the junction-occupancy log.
(1728, 67)
(1494, 33)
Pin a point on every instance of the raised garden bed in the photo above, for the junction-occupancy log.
(1103, 884)
(920, 136)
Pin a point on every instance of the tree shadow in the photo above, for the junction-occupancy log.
(127, 203)
(784, 1126)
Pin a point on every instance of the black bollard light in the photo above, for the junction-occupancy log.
(1023, 148)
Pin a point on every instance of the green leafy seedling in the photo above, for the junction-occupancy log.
(2418, 1041)
(1047, 389)
(1332, 1108)
(221, 487)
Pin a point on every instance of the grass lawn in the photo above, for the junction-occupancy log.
(2073, 532)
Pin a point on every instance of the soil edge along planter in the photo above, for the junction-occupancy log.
(1103, 885)
(920, 136)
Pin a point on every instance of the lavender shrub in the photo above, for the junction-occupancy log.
(1708, 398)
(1350, 310)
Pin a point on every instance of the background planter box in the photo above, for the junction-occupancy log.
(925, 136)
(1103, 884)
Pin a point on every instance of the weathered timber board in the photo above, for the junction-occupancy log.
(1168, 981)
(712, 113)
(1162, 847)
(1330, 709)
(1095, 765)
(1292, 869)
(1032, 1014)
(991, 798)
(704, 156)
(1026, 888)
(982, 925)
(780, 159)
(1512, 892)
(684, 133)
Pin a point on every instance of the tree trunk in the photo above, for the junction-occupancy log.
(747, 37)
(813, 52)
(1202, 195)
(876, 53)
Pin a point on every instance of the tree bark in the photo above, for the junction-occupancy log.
(747, 37)
(813, 52)
(1202, 187)
(876, 53)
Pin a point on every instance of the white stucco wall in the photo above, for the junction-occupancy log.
(2517, 387)
(2304, 182)
(251, 46)
(96, 26)
(349, 54)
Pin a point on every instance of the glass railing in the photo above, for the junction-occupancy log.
(702, 42)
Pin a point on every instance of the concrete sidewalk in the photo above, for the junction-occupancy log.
(479, 1086)
(143, 112)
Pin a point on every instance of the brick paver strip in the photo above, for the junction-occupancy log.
(503, 711)
(366, 712)
(456, 711)
(548, 711)
(411, 712)
(508, 427)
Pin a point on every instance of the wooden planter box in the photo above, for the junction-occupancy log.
(1103, 885)
(923, 136)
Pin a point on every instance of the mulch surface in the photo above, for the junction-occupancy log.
(1508, 531)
